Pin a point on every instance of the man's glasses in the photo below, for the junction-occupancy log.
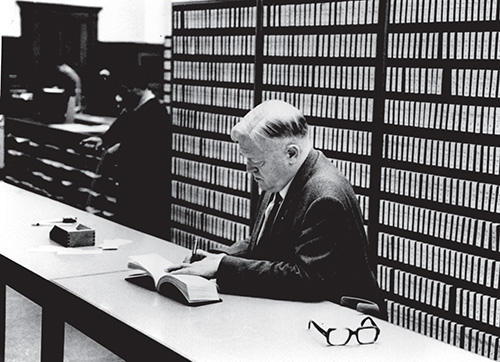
(366, 334)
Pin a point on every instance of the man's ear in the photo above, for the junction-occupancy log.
(293, 152)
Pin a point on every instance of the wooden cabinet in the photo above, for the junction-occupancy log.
(58, 33)
(51, 162)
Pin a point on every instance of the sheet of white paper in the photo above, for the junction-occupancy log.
(47, 249)
(76, 251)
(113, 244)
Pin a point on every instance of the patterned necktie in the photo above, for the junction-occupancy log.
(269, 222)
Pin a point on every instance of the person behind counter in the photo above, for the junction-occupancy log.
(60, 95)
(138, 139)
(315, 248)
(75, 92)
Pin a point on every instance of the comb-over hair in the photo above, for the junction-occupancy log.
(272, 119)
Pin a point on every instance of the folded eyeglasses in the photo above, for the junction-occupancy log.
(366, 334)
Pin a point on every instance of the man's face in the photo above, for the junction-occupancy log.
(267, 162)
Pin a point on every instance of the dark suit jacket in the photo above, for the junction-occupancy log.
(318, 248)
(143, 166)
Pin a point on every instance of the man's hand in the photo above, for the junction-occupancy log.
(206, 267)
(92, 142)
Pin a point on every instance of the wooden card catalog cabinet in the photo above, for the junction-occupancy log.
(53, 33)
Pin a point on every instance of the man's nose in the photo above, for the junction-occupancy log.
(251, 167)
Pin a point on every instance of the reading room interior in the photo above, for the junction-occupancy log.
(249, 180)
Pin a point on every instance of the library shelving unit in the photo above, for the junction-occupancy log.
(402, 96)
(321, 57)
(439, 209)
(213, 74)
(167, 73)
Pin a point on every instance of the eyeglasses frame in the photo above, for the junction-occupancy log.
(327, 332)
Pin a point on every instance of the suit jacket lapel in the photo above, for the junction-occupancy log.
(264, 201)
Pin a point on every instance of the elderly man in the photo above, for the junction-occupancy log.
(308, 242)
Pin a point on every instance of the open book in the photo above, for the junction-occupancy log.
(194, 289)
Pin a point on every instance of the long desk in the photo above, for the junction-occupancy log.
(90, 293)
(30, 271)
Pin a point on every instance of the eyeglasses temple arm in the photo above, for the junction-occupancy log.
(372, 322)
(321, 330)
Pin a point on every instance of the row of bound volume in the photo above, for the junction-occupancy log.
(448, 190)
(215, 18)
(440, 260)
(204, 121)
(212, 174)
(442, 225)
(188, 239)
(342, 140)
(482, 83)
(230, 45)
(437, 11)
(211, 199)
(349, 77)
(480, 45)
(478, 306)
(347, 108)
(207, 147)
(471, 339)
(237, 98)
(414, 80)
(465, 118)
(416, 287)
(350, 45)
(468, 45)
(453, 155)
(357, 173)
(205, 222)
(329, 13)
(215, 71)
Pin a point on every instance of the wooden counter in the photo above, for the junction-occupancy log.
(48, 159)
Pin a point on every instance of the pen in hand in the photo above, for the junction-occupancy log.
(194, 255)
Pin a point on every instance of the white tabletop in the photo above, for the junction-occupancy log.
(252, 329)
(236, 329)
(27, 245)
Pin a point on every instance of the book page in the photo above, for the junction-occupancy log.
(154, 264)
(194, 288)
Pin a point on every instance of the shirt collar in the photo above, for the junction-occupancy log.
(284, 190)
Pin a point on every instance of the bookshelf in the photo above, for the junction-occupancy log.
(321, 57)
(438, 242)
(402, 96)
(213, 61)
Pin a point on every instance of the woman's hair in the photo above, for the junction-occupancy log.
(272, 119)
